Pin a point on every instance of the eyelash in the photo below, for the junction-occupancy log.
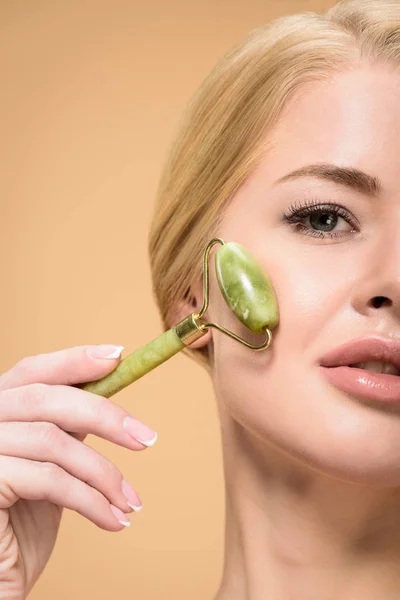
(299, 211)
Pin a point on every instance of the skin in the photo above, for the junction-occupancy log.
(45, 467)
(312, 475)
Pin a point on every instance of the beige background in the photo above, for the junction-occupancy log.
(91, 92)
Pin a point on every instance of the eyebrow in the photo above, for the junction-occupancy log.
(346, 176)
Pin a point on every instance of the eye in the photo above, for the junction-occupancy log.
(321, 220)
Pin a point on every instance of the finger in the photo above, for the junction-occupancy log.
(75, 411)
(73, 365)
(46, 442)
(31, 480)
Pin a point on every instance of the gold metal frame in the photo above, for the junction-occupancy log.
(193, 328)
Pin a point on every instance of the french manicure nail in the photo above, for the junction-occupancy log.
(121, 517)
(140, 432)
(105, 351)
(133, 499)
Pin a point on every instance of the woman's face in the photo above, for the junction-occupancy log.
(326, 268)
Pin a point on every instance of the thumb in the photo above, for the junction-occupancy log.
(64, 367)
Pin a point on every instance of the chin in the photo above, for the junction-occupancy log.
(322, 428)
(353, 443)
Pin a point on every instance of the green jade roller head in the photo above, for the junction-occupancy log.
(245, 288)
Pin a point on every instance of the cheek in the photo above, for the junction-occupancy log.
(312, 286)
(312, 280)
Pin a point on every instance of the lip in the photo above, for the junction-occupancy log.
(358, 382)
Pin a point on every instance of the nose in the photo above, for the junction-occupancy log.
(378, 286)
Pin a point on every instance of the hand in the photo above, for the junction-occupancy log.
(44, 464)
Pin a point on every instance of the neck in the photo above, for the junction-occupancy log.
(294, 533)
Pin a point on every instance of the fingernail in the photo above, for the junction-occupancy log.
(140, 432)
(133, 499)
(105, 351)
(121, 517)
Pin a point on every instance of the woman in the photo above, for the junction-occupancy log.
(290, 148)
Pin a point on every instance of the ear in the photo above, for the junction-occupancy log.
(191, 303)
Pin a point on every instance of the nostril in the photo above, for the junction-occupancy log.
(379, 301)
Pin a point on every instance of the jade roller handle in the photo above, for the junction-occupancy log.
(147, 357)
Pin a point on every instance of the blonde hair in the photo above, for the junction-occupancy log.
(221, 137)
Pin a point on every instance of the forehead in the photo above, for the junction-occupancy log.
(353, 118)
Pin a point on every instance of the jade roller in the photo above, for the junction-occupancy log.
(246, 290)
